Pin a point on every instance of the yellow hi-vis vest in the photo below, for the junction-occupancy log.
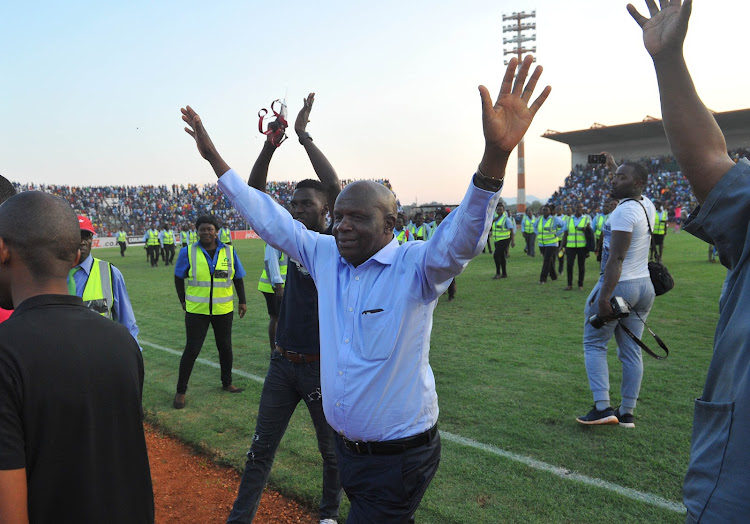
(97, 294)
(225, 235)
(122, 237)
(576, 235)
(499, 231)
(402, 236)
(168, 237)
(264, 284)
(192, 236)
(546, 231)
(528, 224)
(660, 224)
(184, 237)
(206, 293)
(599, 225)
(153, 237)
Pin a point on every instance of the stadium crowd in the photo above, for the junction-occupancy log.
(590, 184)
(136, 208)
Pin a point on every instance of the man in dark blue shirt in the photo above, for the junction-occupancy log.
(294, 370)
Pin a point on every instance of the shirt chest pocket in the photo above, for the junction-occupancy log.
(379, 331)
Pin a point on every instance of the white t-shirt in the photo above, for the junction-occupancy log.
(629, 216)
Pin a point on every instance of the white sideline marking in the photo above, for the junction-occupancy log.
(648, 498)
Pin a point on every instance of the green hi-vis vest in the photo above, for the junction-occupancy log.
(547, 233)
(528, 224)
(168, 238)
(402, 236)
(660, 225)
(122, 237)
(97, 294)
(153, 237)
(576, 235)
(499, 231)
(192, 236)
(599, 225)
(264, 284)
(206, 293)
(225, 235)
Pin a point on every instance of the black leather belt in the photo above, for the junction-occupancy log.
(298, 358)
(390, 447)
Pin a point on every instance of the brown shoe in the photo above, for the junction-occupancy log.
(179, 401)
(232, 389)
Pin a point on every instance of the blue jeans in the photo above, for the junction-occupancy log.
(285, 385)
(639, 293)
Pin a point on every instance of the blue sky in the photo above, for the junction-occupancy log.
(92, 90)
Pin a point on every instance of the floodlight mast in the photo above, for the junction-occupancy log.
(518, 26)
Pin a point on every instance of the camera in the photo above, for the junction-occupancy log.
(619, 307)
(597, 159)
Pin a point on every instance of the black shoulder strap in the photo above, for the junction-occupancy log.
(648, 222)
(643, 346)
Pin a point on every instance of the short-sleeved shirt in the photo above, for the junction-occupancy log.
(70, 413)
(717, 483)
(631, 217)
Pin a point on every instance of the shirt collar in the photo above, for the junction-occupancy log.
(385, 256)
(48, 300)
(86, 264)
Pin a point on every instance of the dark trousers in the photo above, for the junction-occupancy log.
(571, 253)
(501, 246)
(196, 327)
(548, 265)
(452, 289)
(123, 247)
(530, 239)
(560, 260)
(489, 243)
(286, 384)
(168, 254)
(153, 254)
(386, 488)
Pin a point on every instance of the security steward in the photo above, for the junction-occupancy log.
(100, 284)
(166, 238)
(660, 231)
(271, 284)
(122, 241)
(209, 267)
(225, 235)
(502, 234)
(151, 238)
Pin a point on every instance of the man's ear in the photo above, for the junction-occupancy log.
(390, 223)
(5, 254)
(78, 258)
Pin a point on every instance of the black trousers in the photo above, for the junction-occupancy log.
(153, 254)
(386, 488)
(196, 327)
(548, 265)
(123, 247)
(501, 246)
(571, 253)
(168, 254)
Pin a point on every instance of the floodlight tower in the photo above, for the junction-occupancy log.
(518, 26)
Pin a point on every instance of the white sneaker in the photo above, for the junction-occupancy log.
(328, 521)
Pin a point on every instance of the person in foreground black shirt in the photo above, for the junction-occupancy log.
(72, 447)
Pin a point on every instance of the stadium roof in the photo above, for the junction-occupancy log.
(650, 127)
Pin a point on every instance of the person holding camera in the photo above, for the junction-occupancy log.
(624, 274)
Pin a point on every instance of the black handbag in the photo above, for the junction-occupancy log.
(660, 277)
(590, 239)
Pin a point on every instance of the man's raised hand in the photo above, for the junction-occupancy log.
(507, 120)
(205, 147)
(303, 117)
(665, 31)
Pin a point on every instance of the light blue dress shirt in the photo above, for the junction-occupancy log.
(122, 310)
(271, 261)
(375, 319)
